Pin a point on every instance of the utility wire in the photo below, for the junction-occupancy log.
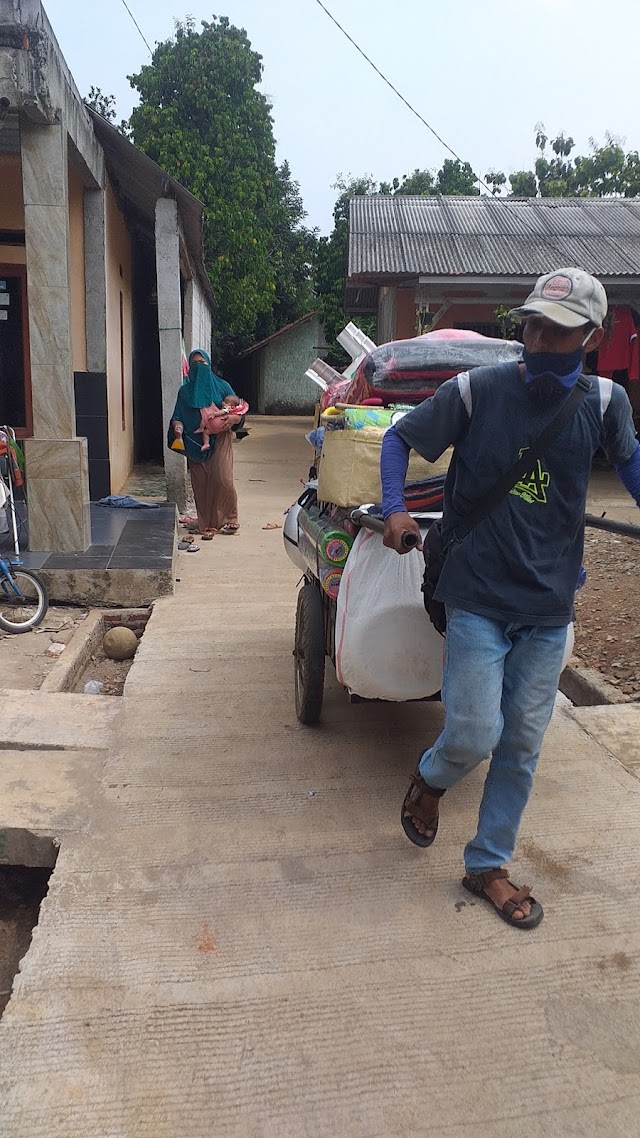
(396, 91)
(138, 27)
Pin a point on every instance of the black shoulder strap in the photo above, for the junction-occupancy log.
(524, 464)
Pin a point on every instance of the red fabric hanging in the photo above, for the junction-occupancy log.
(619, 349)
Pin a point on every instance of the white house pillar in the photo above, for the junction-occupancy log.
(56, 461)
(170, 326)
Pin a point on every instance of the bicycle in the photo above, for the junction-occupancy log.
(23, 596)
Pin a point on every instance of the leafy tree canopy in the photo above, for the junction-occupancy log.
(331, 267)
(202, 118)
(456, 178)
(608, 171)
(104, 105)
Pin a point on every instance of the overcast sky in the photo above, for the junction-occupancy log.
(482, 72)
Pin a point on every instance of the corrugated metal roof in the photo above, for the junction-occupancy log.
(455, 236)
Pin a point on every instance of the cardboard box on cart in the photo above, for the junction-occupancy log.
(349, 470)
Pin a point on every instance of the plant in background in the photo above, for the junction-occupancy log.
(507, 324)
(105, 105)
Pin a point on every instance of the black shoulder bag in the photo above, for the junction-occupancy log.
(435, 549)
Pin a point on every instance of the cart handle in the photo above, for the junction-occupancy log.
(365, 521)
(624, 528)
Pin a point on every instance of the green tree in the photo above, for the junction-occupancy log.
(421, 182)
(523, 184)
(331, 268)
(293, 256)
(606, 172)
(104, 105)
(202, 118)
(456, 178)
(555, 175)
(496, 180)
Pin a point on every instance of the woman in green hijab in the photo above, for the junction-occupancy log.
(211, 471)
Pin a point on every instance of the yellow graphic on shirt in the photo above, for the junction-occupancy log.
(533, 487)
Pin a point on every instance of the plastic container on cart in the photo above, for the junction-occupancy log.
(332, 544)
(349, 470)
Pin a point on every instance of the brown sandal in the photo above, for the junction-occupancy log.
(416, 805)
(476, 882)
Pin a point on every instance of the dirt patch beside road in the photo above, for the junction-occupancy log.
(23, 659)
(607, 610)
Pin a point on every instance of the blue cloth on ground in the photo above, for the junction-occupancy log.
(124, 502)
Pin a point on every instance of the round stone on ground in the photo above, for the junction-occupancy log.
(120, 643)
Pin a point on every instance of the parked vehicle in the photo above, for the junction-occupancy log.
(23, 596)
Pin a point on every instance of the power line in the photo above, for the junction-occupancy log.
(396, 91)
(137, 26)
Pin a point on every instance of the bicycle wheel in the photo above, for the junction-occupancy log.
(22, 611)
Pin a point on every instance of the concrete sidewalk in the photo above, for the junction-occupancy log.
(240, 942)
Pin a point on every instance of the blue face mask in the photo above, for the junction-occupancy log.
(564, 367)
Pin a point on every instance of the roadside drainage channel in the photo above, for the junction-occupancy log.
(26, 864)
(84, 658)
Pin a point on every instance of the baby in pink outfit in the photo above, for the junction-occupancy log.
(212, 418)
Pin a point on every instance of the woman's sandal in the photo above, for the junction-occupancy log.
(476, 882)
(230, 529)
(209, 535)
(416, 805)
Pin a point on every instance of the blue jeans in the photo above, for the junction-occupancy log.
(499, 687)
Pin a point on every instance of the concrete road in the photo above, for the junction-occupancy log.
(240, 942)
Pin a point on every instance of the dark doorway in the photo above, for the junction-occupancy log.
(15, 378)
(148, 426)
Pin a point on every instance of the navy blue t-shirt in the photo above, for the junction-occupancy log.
(520, 563)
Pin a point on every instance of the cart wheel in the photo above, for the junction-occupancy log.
(309, 654)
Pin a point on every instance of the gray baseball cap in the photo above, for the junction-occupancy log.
(569, 297)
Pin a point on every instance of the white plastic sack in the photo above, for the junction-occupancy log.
(386, 646)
